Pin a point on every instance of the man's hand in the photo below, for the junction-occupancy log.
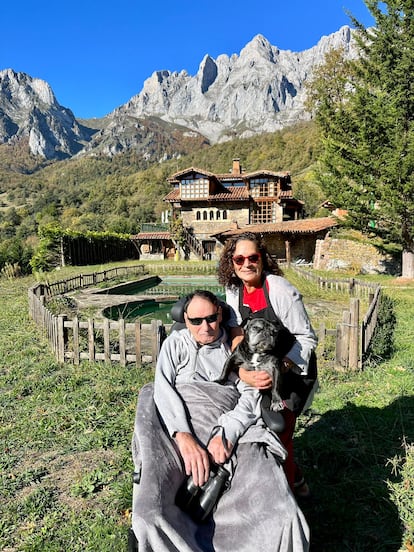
(218, 451)
(196, 461)
(259, 379)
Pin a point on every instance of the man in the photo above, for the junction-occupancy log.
(198, 353)
(187, 419)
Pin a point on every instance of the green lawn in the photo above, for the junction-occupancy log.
(65, 437)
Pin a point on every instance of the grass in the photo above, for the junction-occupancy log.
(355, 445)
(65, 436)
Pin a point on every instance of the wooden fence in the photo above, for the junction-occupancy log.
(352, 337)
(119, 341)
(86, 280)
(351, 286)
(109, 341)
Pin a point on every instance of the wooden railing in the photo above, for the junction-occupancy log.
(194, 244)
(105, 340)
(352, 286)
(352, 337)
(123, 342)
(86, 280)
(97, 340)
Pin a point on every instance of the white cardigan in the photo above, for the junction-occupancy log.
(288, 306)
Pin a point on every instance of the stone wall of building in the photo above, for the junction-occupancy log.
(340, 254)
(203, 229)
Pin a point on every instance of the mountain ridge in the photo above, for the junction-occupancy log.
(261, 89)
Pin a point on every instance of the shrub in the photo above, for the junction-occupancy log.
(402, 492)
(382, 345)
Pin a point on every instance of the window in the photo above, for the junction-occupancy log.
(218, 214)
(211, 215)
(265, 211)
(224, 215)
(204, 215)
(262, 187)
(194, 188)
(198, 215)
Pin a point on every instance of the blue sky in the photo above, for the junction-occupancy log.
(96, 55)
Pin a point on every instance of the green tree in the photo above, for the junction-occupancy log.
(364, 110)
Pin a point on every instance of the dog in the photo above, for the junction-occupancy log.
(264, 346)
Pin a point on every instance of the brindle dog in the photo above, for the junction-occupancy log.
(264, 345)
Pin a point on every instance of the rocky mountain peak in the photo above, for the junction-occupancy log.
(28, 109)
(261, 89)
(259, 47)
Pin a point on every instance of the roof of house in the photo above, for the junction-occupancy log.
(303, 226)
(152, 236)
(232, 193)
(227, 176)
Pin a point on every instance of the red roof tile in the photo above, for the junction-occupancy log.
(231, 193)
(303, 226)
(229, 175)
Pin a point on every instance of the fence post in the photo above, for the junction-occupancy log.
(138, 359)
(354, 334)
(322, 337)
(155, 339)
(343, 353)
(107, 340)
(75, 336)
(61, 338)
(91, 339)
(122, 342)
(338, 345)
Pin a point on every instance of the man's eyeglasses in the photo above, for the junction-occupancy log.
(198, 321)
(239, 259)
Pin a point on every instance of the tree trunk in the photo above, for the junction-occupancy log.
(408, 263)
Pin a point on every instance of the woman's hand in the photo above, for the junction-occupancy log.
(236, 336)
(259, 379)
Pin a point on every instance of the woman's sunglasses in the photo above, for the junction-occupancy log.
(198, 321)
(239, 259)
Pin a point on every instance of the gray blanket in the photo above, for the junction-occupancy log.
(258, 513)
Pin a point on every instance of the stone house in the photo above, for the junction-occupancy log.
(212, 207)
(208, 203)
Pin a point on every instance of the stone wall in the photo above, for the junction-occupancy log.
(341, 254)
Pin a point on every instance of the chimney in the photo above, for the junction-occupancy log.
(236, 166)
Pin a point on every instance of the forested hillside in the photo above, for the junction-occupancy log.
(116, 194)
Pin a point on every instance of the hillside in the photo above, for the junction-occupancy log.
(117, 193)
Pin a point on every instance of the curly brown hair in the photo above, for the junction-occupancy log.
(226, 275)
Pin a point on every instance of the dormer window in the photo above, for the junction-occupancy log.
(194, 188)
(263, 187)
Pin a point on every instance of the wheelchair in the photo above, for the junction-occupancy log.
(303, 388)
(177, 315)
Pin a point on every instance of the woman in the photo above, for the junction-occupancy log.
(255, 287)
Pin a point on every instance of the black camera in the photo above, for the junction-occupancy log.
(199, 502)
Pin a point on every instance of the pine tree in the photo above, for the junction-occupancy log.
(365, 110)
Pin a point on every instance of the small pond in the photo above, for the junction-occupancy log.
(152, 306)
